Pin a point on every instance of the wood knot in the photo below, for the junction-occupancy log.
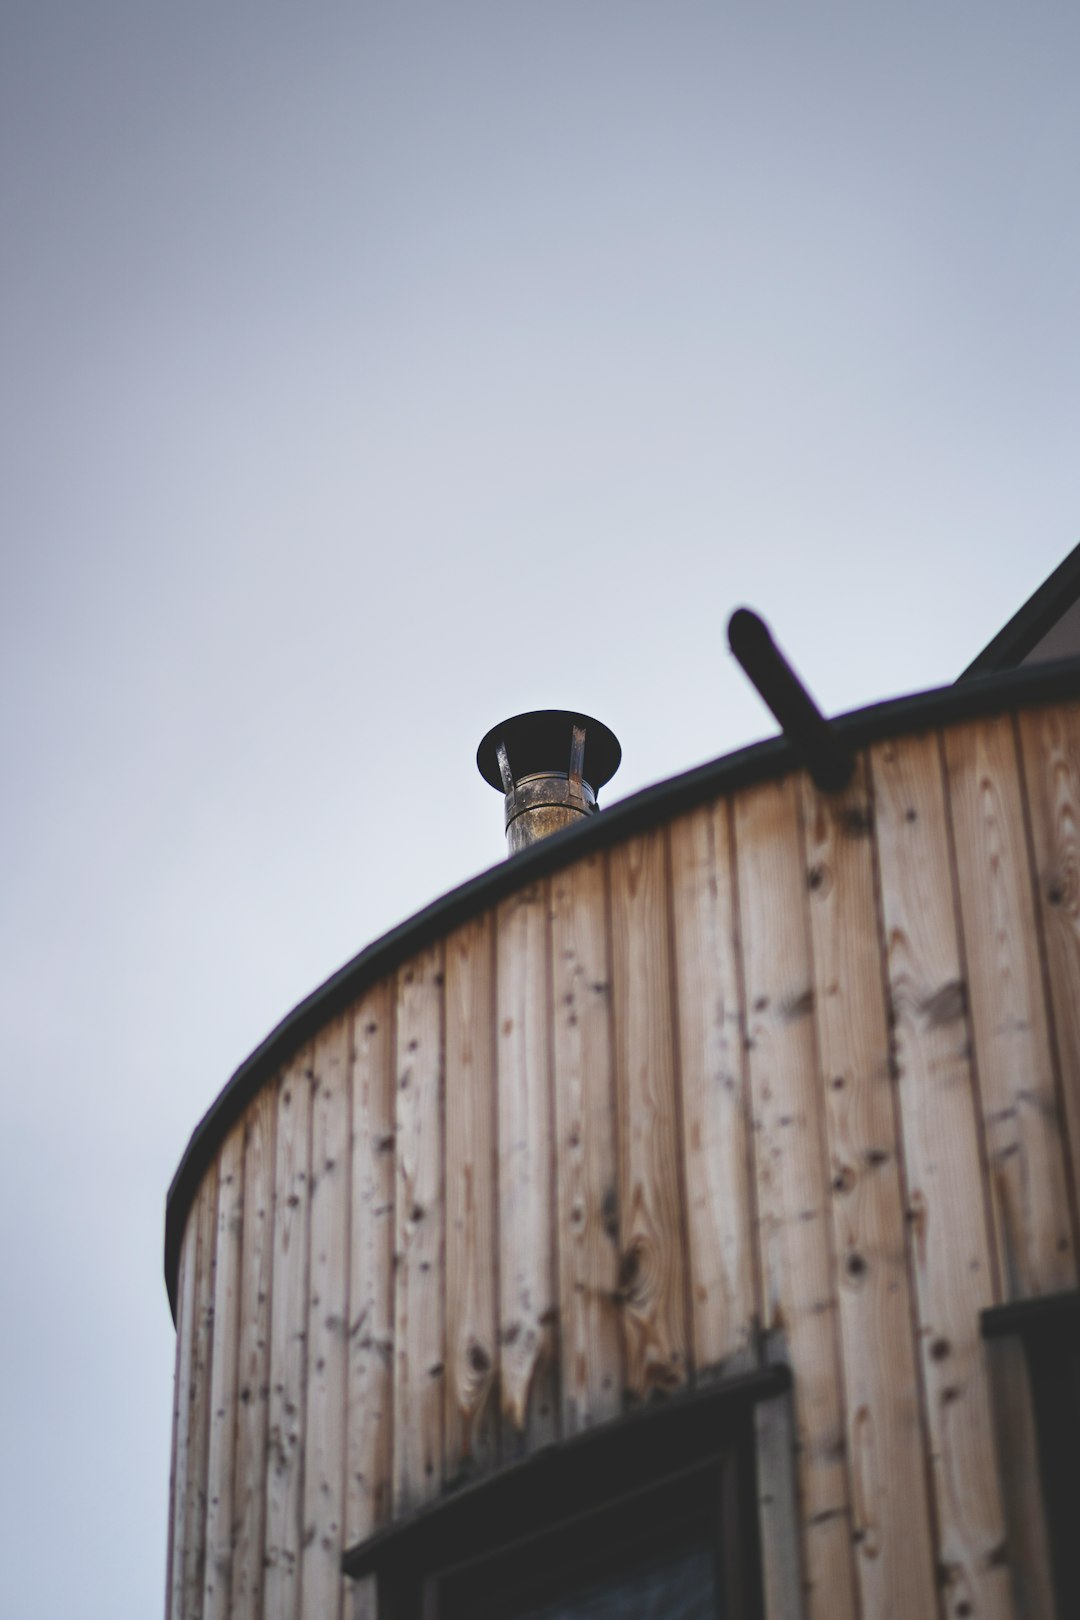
(945, 1005)
(857, 821)
(479, 1360)
(799, 1006)
(1056, 891)
(629, 1270)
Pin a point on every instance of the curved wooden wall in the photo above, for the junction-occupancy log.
(787, 1073)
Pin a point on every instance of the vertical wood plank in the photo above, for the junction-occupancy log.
(199, 1396)
(223, 1388)
(471, 1416)
(371, 1268)
(197, 1307)
(948, 1236)
(253, 1358)
(184, 1409)
(1050, 743)
(181, 1335)
(419, 1352)
(792, 1186)
(1008, 1014)
(369, 1454)
(288, 1342)
(591, 1362)
(891, 1525)
(527, 1286)
(321, 1581)
(652, 1271)
(714, 1111)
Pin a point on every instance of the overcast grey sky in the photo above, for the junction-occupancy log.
(371, 372)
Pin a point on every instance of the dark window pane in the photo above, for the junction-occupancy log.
(1054, 1365)
(660, 1588)
(654, 1558)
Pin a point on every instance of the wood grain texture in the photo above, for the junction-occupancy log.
(184, 1275)
(948, 1235)
(186, 1412)
(715, 1103)
(419, 1353)
(253, 1359)
(528, 1311)
(1015, 1067)
(288, 1342)
(891, 1524)
(223, 1387)
(792, 1183)
(652, 1272)
(189, 1550)
(321, 1584)
(471, 1415)
(1050, 742)
(370, 1398)
(591, 1361)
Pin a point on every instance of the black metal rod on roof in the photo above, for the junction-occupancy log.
(811, 736)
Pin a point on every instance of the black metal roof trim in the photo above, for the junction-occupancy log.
(1030, 623)
(573, 1476)
(984, 695)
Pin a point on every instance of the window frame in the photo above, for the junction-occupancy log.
(566, 1496)
(1034, 1351)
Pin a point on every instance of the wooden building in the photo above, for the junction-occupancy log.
(679, 1219)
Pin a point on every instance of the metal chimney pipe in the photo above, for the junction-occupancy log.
(549, 765)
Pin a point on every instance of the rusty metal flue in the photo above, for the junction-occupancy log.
(550, 765)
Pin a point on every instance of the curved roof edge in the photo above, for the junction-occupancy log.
(975, 696)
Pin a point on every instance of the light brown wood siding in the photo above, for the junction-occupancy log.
(471, 1258)
(791, 1076)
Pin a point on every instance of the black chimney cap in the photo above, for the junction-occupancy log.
(540, 742)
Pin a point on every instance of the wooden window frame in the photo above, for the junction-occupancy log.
(701, 1451)
(1034, 1352)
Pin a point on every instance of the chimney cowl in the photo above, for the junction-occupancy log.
(550, 765)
